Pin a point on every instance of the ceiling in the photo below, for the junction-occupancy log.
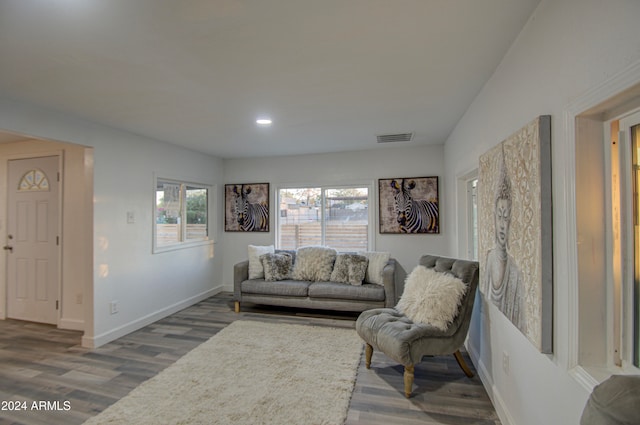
(331, 74)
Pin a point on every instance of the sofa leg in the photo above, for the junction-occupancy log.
(408, 380)
(368, 352)
(237, 307)
(463, 364)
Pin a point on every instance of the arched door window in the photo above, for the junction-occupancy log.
(34, 180)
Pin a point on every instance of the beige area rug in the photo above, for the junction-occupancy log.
(250, 373)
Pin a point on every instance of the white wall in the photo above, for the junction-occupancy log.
(343, 168)
(147, 286)
(566, 48)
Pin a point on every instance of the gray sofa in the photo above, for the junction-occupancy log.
(314, 295)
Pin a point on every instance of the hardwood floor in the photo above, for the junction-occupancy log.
(43, 364)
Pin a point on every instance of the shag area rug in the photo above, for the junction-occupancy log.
(250, 373)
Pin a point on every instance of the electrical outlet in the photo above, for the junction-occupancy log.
(505, 362)
(113, 307)
(131, 217)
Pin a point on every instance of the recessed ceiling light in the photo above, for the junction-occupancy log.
(263, 121)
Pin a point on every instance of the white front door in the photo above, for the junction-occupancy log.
(32, 240)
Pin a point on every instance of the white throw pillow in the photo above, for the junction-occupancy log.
(431, 297)
(314, 263)
(256, 271)
(377, 261)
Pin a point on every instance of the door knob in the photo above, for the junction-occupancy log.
(8, 247)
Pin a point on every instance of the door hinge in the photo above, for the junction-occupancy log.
(57, 304)
(57, 240)
(58, 175)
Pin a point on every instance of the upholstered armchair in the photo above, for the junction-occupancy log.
(393, 333)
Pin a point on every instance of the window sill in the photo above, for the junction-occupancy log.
(182, 245)
(590, 376)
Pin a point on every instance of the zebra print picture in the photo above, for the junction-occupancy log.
(409, 205)
(246, 207)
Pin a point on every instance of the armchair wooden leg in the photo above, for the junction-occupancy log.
(408, 380)
(463, 364)
(237, 307)
(368, 352)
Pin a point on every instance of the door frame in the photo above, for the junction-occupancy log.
(4, 205)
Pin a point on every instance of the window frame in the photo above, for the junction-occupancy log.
(584, 118)
(465, 215)
(371, 213)
(183, 242)
(625, 299)
(599, 348)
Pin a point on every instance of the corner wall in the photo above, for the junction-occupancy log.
(147, 286)
(567, 47)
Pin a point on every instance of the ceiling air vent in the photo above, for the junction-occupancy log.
(392, 138)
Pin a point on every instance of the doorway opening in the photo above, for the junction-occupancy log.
(73, 238)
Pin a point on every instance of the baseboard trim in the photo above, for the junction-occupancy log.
(98, 340)
(71, 324)
(498, 403)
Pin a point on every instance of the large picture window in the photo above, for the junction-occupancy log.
(337, 217)
(181, 214)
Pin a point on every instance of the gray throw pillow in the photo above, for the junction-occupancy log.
(276, 266)
(349, 268)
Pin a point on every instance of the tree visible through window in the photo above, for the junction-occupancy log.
(337, 217)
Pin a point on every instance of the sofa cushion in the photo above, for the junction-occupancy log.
(431, 297)
(365, 292)
(289, 288)
(377, 261)
(276, 266)
(256, 270)
(314, 263)
(349, 268)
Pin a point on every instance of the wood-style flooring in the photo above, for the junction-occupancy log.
(39, 363)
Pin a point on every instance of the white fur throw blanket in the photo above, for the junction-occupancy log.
(431, 297)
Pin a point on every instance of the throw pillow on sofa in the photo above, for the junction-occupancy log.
(431, 297)
(349, 268)
(276, 266)
(256, 270)
(314, 263)
(377, 261)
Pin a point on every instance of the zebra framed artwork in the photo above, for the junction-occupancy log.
(409, 205)
(246, 207)
(515, 230)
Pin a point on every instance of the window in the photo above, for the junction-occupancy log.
(467, 215)
(472, 186)
(337, 217)
(598, 226)
(627, 288)
(181, 214)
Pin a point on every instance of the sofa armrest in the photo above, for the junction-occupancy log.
(240, 274)
(389, 282)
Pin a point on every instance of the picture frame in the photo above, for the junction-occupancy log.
(515, 239)
(246, 207)
(409, 205)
